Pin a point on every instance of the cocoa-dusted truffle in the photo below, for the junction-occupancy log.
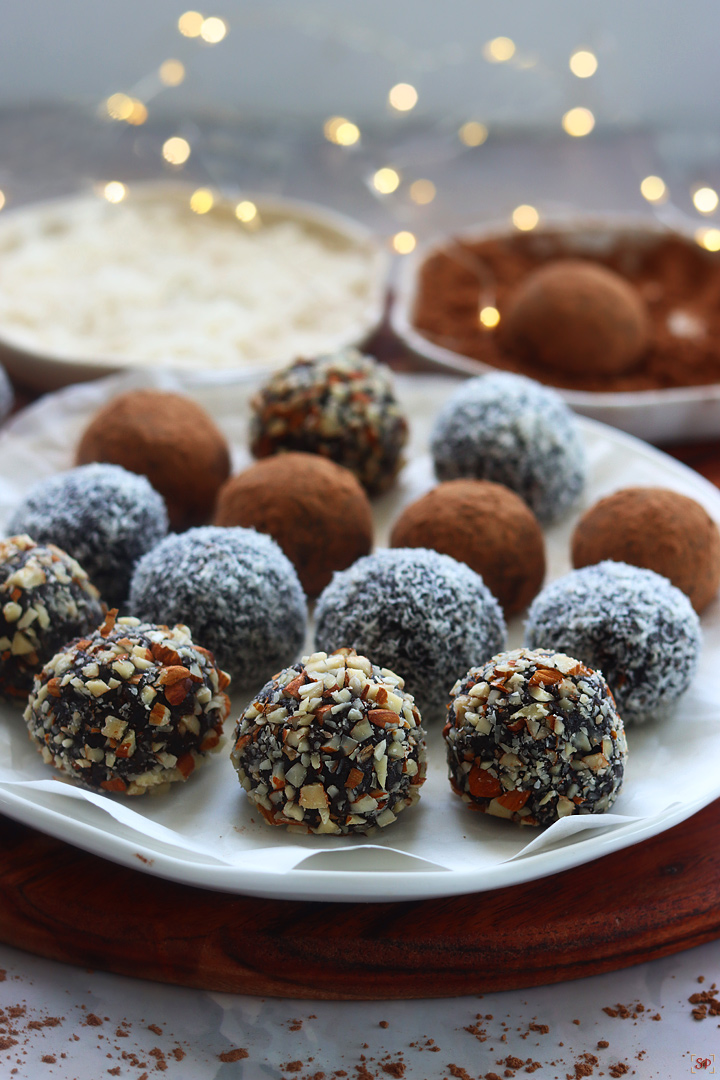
(484, 525)
(632, 624)
(170, 439)
(102, 515)
(331, 745)
(535, 736)
(130, 707)
(575, 315)
(341, 406)
(421, 614)
(236, 591)
(316, 510)
(509, 429)
(659, 529)
(46, 598)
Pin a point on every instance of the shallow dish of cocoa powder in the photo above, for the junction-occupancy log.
(673, 394)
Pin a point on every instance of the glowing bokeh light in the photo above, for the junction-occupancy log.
(386, 181)
(403, 97)
(583, 63)
(2, 199)
(213, 30)
(114, 191)
(171, 72)
(578, 122)
(176, 150)
(489, 317)
(525, 217)
(202, 201)
(191, 23)
(705, 199)
(404, 242)
(473, 133)
(709, 239)
(654, 189)
(138, 114)
(422, 192)
(342, 132)
(499, 50)
(246, 211)
(119, 106)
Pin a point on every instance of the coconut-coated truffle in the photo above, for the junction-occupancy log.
(512, 430)
(170, 439)
(421, 614)
(316, 510)
(484, 525)
(129, 707)
(331, 745)
(236, 591)
(575, 315)
(341, 406)
(632, 624)
(102, 515)
(535, 736)
(46, 598)
(658, 529)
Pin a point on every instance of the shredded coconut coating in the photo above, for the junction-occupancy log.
(102, 515)
(331, 745)
(417, 612)
(534, 736)
(46, 598)
(131, 707)
(342, 406)
(632, 624)
(234, 588)
(509, 429)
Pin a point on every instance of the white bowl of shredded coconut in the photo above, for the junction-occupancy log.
(88, 287)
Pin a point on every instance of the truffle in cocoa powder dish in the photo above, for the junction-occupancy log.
(102, 515)
(419, 613)
(170, 439)
(316, 510)
(331, 745)
(659, 529)
(342, 406)
(486, 526)
(535, 736)
(46, 598)
(129, 708)
(514, 431)
(631, 624)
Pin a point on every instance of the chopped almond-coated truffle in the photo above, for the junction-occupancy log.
(486, 526)
(658, 529)
(168, 438)
(575, 315)
(316, 510)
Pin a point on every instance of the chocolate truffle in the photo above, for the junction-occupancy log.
(331, 745)
(316, 510)
(236, 591)
(128, 708)
(102, 515)
(341, 406)
(534, 736)
(486, 526)
(170, 439)
(658, 529)
(632, 624)
(512, 430)
(577, 316)
(421, 614)
(46, 598)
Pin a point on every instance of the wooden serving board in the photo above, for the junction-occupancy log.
(647, 901)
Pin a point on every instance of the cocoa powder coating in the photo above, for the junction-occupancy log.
(657, 529)
(317, 512)
(168, 438)
(485, 525)
(576, 316)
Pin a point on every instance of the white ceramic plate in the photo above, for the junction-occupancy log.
(351, 308)
(205, 833)
(659, 416)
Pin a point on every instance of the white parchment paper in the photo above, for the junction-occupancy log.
(206, 832)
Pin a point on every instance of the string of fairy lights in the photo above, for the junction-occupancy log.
(132, 107)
